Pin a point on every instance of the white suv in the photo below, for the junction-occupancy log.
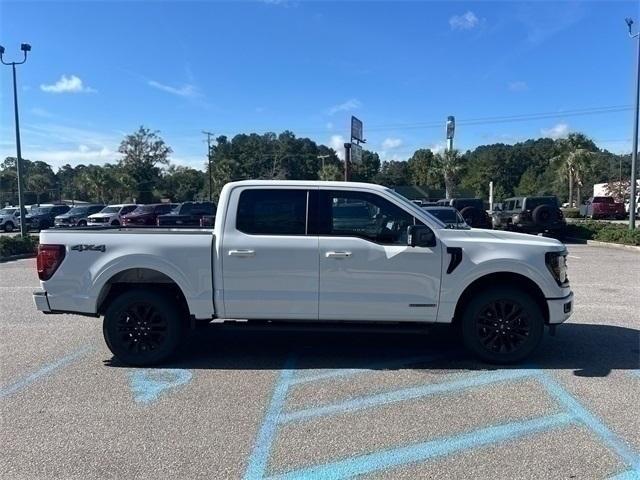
(111, 215)
(9, 218)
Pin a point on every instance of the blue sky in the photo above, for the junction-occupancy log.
(99, 69)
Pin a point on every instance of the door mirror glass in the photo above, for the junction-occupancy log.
(420, 236)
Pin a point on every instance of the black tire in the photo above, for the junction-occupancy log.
(471, 215)
(82, 223)
(502, 325)
(544, 215)
(8, 227)
(143, 327)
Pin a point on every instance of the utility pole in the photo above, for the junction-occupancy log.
(347, 160)
(25, 47)
(634, 153)
(209, 135)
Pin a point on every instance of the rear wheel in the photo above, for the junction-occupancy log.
(8, 227)
(82, 223)
(502, 325)
(143, 327)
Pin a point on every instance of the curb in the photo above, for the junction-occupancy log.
(17, 257)
(597, 243)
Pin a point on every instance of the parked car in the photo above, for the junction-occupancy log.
(447, 215)
(9, 218)
(471, 209)
(186, 214)
(77, 216)
(602, 207)
(111, 215)
(279, 255)
(43, 217)
(530, 215)
(145, 215)
(627, 204)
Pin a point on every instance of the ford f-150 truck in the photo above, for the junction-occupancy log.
(307, 251)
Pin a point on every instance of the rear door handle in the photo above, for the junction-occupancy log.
(242, 253)
(338, 254)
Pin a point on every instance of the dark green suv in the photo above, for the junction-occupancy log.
(530, 215)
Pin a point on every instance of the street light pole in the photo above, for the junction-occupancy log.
(25, 47)
(209, 134)
(634, 153)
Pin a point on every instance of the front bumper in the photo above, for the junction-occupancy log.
(41, 301)
(560, 309)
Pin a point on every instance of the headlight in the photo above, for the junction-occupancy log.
(557, 265)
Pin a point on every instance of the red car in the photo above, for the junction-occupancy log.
(602, 207)
(146, 214)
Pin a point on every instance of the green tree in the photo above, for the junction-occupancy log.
(448, 165)
(144, 152)
(577, 151)
(393, 173)
(423, 169)
(39, 184)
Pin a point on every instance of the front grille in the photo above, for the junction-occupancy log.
(99, 220)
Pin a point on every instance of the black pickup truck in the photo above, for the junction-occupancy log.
(187, 214)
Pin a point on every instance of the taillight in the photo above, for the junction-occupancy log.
(49, 259)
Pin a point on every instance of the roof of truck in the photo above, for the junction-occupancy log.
(306, 183)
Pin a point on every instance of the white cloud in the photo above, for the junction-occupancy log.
(329, 125)
(518, 86)
(557, 131)
(391, 143)
(70, 84)
(466, 21)
(337, 143)
(351, 104)
(438, 147)
(186, 90)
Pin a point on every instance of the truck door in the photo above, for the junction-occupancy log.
(367, 271)
(269, 263)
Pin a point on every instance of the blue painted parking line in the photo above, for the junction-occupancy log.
(147, 385)
(427, 450)
(573, 412)
(472, 381)
(388, 365)
(591, 421)
(42, 372)
(262, 448)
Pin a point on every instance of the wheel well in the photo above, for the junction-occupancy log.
(140, 278)
(506, 279)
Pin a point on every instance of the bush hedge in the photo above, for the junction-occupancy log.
(571, 212)
(604, 232)
(17, 245)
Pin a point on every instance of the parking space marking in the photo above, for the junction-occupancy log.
(147, 385)
(43, 372)
(427, 450)
(471, 381)
(573, 413)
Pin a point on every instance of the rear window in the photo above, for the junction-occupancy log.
(272, 212)
(534, 202)
(468, 202)
(603, 200)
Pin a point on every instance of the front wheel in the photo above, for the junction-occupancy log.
(142, 327)
(502, 325)
(8, 227)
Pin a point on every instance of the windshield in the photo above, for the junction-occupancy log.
(603, 200)
(449, 216)
(144, 209)
(8, 211)
(78, 211)
(112, 209)
(40, 210)
(412, 207)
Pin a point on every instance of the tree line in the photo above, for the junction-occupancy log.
(566, 167)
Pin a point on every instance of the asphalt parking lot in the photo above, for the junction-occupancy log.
(274, 404)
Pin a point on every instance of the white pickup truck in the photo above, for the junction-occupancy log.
(307, 251)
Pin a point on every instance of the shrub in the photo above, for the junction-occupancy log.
(571, 212)
(17, 245)
(604, 232)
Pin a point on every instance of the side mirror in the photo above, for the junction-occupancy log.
(420, 236)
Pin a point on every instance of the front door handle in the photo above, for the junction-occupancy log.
(242, 253)
(338, 254)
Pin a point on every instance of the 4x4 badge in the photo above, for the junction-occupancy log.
(94, 248)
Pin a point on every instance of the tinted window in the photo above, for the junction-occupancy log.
(603, 200)
(536, 201)
(127, 209)
(365, 215)
(272, 212)
(165, 208)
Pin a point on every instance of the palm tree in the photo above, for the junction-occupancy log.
(448, 165)
(577, 152)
